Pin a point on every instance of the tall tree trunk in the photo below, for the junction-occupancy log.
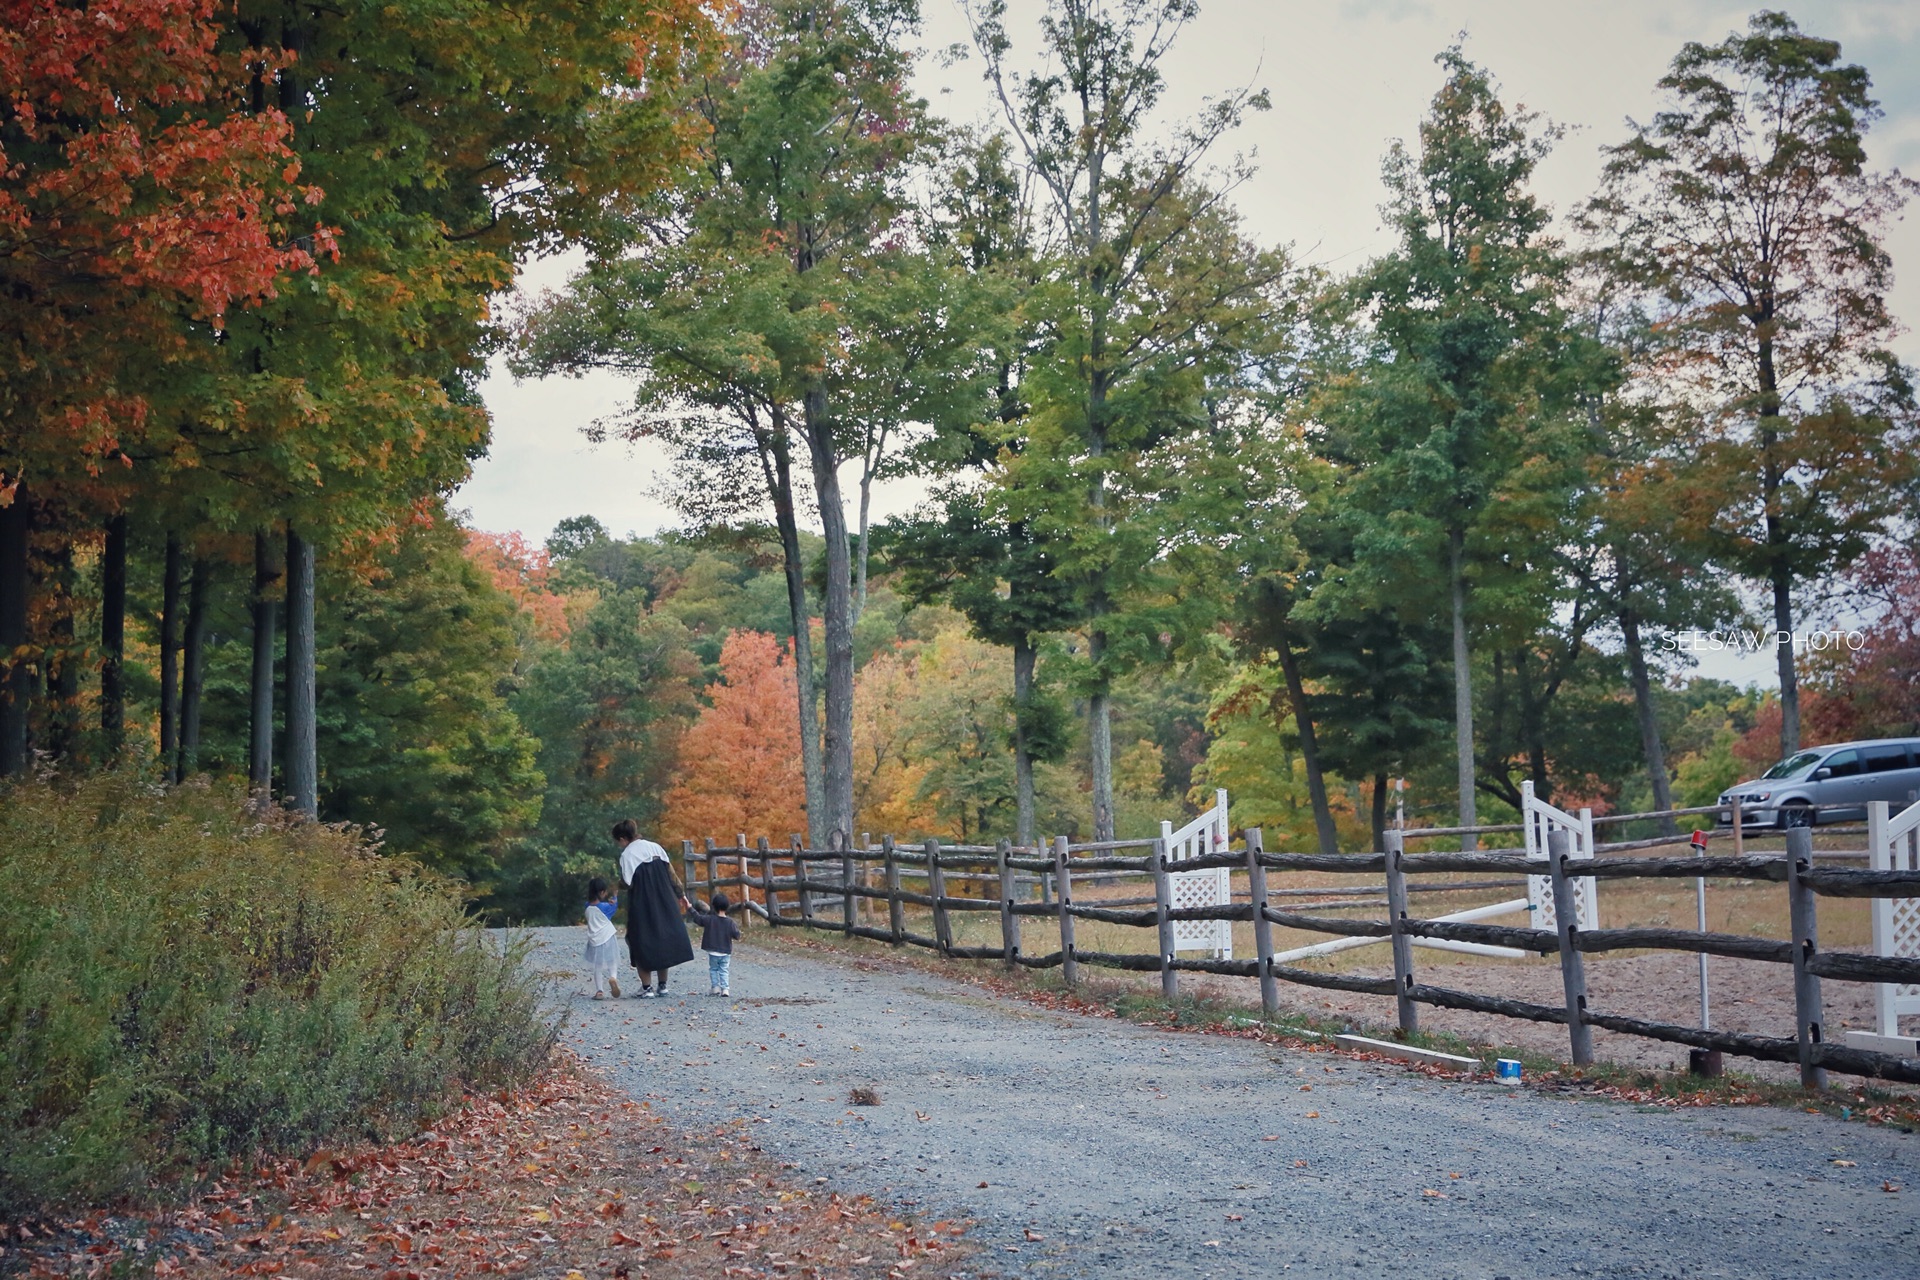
(193, 671)
(113, 640)
(16, 671)
(776, 460)
(1380, 813)
(260, 755)
(1309, 748)
(866, 533)
(1782, 582)
(63, 663)
(837, 741)
(1773, 478)
(1462, 685)
(1100, 743)
(1533, 731)
(303, 743)
(1024, 657)
(1650, 746)
(170, 656)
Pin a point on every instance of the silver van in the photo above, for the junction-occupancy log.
(1828, 784)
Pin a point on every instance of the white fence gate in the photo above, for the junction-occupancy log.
(1206, 834)
(1893, 844)
(1538, 819)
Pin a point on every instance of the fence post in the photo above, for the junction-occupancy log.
(1402, 945)
(1162, 904)
(1262, 927)
(864, 905)
(686, 868)
(896, 923)
(766, 880)
(1573, 969)
(1806, 944)
(937, 888)
(712, 861)
(1009, 938)
(1063, 897)
(846, 881)
(799, 846)
(746, 877)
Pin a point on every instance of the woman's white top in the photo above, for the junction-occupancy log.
(637, 852)
(600, 930)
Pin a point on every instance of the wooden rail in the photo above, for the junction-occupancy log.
(825, 889)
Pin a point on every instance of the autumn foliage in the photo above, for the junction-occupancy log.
(524, 573)
(740, 765)
(129, 192)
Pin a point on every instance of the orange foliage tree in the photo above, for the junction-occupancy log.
(740, 763)
(524, 573)
(128, 191)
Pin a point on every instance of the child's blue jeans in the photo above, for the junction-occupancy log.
(719, 967)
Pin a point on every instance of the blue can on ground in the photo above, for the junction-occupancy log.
(1507, 1068)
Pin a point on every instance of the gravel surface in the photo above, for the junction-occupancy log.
(1094, 1147)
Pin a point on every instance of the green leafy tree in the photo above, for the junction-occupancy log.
(1143, 273)
(778, 307)
(1747, 206)
(1455, 423)
(608, 707)
(416, 664)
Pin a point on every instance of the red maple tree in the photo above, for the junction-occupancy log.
(137, 191)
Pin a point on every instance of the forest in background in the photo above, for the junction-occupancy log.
(1200, 515)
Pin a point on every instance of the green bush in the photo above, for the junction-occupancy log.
(183, 981)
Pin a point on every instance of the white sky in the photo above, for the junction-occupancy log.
(1345, 79)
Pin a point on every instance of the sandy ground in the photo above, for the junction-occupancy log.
(1742, 995)
(1094, 1147)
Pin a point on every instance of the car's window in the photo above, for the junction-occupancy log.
(1843, 764)
(1792, 765)
(1883, 759)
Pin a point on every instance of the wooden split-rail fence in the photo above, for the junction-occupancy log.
(821, 889)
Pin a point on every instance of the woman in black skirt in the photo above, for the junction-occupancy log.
(656, 932)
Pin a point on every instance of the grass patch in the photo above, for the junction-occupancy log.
(184, 982)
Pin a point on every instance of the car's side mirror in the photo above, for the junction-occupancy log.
(1822, 774)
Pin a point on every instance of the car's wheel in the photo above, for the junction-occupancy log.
(1796, 815)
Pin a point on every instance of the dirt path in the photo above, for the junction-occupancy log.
(1746, 995)
(1094, 1147)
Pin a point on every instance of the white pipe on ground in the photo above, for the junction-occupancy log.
(1438, 944)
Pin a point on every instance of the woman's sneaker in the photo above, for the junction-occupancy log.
(646, 993)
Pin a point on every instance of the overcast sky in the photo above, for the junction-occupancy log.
(1345, 79)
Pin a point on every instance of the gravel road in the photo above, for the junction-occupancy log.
(1093, 1147)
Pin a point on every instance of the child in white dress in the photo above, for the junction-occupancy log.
(603, 940)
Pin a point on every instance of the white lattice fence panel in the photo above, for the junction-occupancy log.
(1894, 845)
(1213, 887)
(1202, 889)
(1538, 819)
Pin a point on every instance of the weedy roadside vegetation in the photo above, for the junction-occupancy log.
(185, 981)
